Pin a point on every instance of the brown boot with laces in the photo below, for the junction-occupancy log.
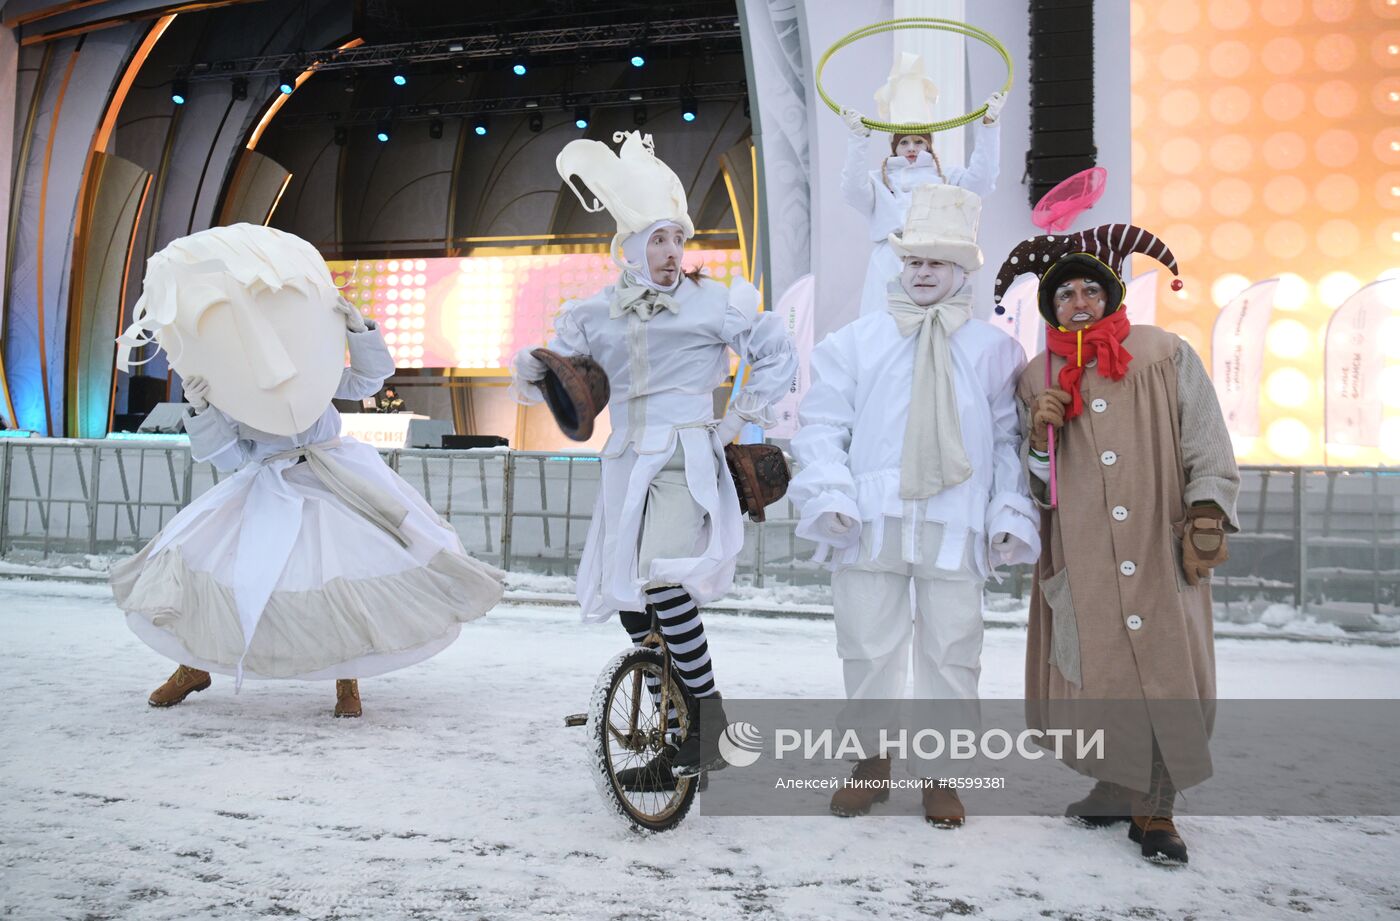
(347, 697)
(1152, 826)
(942, 808)
(1106, 804)
(869, 784)
(178, 686)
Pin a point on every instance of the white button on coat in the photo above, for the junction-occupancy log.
(1109, 458)
(1127, 567)
(1134, 622)
(1099, 406)
(1120, 513)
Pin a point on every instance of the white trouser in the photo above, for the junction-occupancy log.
(875, 624)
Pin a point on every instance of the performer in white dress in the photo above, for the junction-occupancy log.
(882, 195)
(667, 525)
(314, 560)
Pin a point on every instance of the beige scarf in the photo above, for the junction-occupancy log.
(645, 301)
(934, 457)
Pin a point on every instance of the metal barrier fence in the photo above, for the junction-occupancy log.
(1323, 540)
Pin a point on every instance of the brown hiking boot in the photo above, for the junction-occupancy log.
(1152, 825)
(178, 686)
(869, 784)
(1105, 805)
(347, 697)
(1159, 839)
(942, 808)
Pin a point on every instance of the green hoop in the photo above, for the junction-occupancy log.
(917, 22)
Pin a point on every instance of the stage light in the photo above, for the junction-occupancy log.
(435, 129)
(240, 88)
(689, 109)
(581, 117)
(638, 59)
(1335, 287)
(341, 136)
(381, 130)
(286, 81)
(536, 122)
(639, 115)
(179, 89)
(479, 126)
(400, 80)
(519, 68)
(1292, 292)
(1227, 287)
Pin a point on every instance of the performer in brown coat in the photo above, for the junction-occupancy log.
(1146, 485)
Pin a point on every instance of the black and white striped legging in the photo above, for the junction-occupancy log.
(684, 632)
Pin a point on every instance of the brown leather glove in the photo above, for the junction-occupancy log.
(1203, 542)
(1048, 408)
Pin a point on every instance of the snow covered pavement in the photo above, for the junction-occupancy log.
(461, 794)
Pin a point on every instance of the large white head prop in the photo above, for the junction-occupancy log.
(252, 311)
(637, 188)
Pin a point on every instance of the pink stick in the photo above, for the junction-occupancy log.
(1050, 443)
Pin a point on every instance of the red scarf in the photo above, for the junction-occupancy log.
(1102, 340)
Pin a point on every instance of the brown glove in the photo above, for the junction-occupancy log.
(1203, 542)
(1047, 409)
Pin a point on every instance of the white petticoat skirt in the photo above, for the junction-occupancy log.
(322, 590)
(695, 533)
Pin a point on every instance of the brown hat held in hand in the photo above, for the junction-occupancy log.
(576, 389)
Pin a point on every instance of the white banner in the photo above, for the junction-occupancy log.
(1237, 355)
(1022, 320)
(796, 307)
(1353, 362)
(1141, 300)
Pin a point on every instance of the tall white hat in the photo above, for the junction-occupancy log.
(942, 224)
(908, 96)
(634, 186)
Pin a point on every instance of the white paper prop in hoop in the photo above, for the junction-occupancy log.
(908, 96)
(252, 311)
(634, 186)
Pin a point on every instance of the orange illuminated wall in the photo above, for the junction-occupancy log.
(1266, 143)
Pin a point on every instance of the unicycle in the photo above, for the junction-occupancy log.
(627, 729)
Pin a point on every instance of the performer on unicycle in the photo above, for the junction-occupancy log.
(667, 525)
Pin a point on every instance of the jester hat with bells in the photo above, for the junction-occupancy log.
(635, 187)
(1099, 253)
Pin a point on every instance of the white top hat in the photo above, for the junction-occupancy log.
(942, 224)
(908, 96)
(637, 188)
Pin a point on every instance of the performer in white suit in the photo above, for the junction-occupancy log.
(911, 477)
(313, 560)
(883, 195)
(667, 526)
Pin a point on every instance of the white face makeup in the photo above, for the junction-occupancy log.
(928, 281)
(273, 359)
(665, 248)
(1079, 302)
(909, 147)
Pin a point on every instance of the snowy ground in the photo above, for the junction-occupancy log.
(460, 794)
